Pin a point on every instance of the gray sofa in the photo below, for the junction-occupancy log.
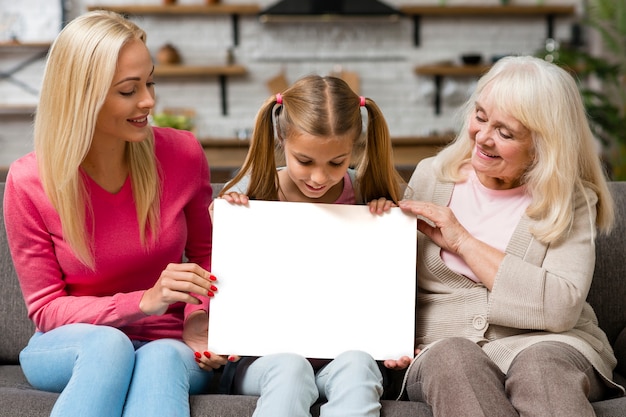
(19, 399)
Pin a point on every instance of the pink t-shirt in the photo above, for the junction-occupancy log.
(347, 195)
(59, 289)
(489, 215)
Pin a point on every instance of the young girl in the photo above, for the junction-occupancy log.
(316, 126)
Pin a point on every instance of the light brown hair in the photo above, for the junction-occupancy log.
(323, 107)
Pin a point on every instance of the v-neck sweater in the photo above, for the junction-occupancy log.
(59, 289)
(539, 293)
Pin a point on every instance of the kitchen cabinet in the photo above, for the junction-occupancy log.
(222, 72)
(225, 156)
(186, 71)
(439, 71)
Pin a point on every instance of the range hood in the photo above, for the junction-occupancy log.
(328, 10)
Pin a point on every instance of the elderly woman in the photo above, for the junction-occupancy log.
(508, 214)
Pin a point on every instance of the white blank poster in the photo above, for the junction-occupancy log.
(312, 279)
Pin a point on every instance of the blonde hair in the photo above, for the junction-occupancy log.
(79, 72)
(545, 99)
(322, 107)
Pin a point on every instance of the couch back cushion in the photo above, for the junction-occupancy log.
(608, 289)
(607, 294)
(15, 327)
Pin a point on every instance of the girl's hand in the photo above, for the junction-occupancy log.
(236, 198)
(233, 198)
(380, 206)
(399, 364)
(177, 283)
(196, 336)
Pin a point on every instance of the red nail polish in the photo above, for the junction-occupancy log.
(210, 294)
(197, 354)
(197, 360)
(212, 278)
(231, 358)
(207, 354)
(213, 288)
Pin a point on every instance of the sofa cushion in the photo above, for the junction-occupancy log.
(15, 327)
(620, 352)
(608, 292)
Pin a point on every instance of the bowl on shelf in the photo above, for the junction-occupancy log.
(471, 59)
(496, 58)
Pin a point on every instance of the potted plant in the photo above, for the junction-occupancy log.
(602, 79)
(183, 119)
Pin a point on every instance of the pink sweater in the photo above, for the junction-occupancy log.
(58, 289)
(489, 215)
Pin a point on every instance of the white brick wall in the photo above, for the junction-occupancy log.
(383, 55)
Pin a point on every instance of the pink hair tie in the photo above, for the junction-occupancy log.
(279, 98)
(362, 101)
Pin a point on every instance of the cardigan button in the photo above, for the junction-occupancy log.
(479, 323)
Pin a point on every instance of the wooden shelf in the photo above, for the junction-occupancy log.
(188, 71)
(17, 110)
(182, 9)
(222, 72)
(488, 10)
(438, 71)
(452, 70)
(231, 152)
(24, 45)
(185, 71)
(37, 51)
(549, 11)
(226, 155)
(214, 142)
(234, 10)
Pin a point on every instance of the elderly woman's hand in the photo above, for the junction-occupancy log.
(442, 227)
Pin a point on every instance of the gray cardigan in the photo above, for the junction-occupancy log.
(538, 295)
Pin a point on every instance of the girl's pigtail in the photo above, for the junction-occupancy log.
(380, 178)
(259, 163)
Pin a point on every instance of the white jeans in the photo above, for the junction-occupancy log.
(351, 385)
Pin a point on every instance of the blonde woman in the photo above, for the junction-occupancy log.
(98, 218)
(506, 256)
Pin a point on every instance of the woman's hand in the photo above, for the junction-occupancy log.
(233, 198)
(196, 336)
(399, 364)
(381, 205)
(445, 230)
(177, 283)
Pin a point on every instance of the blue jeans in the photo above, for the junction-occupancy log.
(287, 386)
(99, 371)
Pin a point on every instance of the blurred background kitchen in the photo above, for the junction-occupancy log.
(218, 60)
